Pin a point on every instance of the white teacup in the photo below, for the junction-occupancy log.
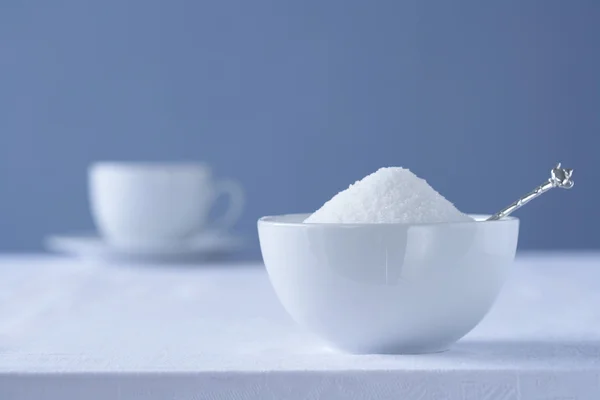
(153, 204)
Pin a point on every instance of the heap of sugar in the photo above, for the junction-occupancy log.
(390, 195)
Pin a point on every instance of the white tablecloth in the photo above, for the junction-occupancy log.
(73, 330)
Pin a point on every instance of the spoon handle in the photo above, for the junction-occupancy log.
(559, 177)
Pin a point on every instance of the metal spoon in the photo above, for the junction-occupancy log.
(559, 177)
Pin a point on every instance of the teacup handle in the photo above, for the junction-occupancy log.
(235, 192)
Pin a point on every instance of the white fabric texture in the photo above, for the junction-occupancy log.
(72, 330)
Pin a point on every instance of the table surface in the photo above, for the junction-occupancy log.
(67, 326)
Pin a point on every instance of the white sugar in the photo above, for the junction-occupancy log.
(390, 195)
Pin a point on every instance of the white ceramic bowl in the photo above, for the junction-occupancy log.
(388, 288)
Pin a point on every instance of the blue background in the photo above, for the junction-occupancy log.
(297, 99)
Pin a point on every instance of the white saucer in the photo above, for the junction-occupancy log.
(92, 246)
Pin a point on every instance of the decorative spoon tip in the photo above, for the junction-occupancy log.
(559, 177)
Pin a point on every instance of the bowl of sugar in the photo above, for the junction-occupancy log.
(388, 266)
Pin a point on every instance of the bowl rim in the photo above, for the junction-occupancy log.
(276, 220)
